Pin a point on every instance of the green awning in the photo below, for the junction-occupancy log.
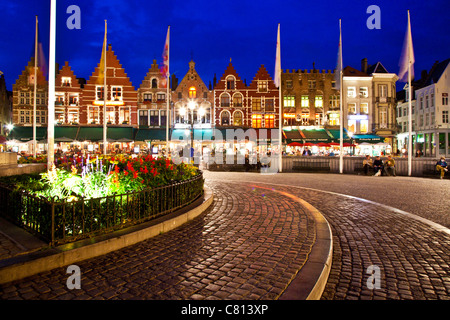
(336, 134)
(66, 132)
(370, 138)
(151, 135)
(315, 135)
(93, 134)
(24, 134)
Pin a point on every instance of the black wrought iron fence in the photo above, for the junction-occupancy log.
(61, 222)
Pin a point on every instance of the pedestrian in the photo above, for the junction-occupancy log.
(390, 166)
(378, 166)
(367, 164)
(442, 167)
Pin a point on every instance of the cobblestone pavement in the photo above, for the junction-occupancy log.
(412, 257)
(249, 245)
(252, 241)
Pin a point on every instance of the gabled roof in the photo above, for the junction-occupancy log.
(436, 72)
(352, 72)
(231, 71)
(376, 68)
(262, 74)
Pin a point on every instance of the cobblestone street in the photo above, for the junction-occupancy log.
(253, 240)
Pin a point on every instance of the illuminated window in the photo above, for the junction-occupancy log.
(124, 115)
(237, 100)
(73, 99)
(262, 86)
(352, 125)
(73, 116)
(59, 99)
(289, 101)
(351, 92)
(333, 119)
(110, 115)
(256, 120)
(237, 118)
(160, 97)
(192, 93)
(352, 108)
(305, 102)
(363, 92)
(66, 81)
(364, 126)
(225, 118)
(256, 104)
(93, 115)
(364, 108)
(269, 121)
(319, 102)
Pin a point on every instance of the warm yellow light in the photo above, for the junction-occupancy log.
(182, 111)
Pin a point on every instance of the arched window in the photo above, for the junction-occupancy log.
(237, 100)
(230, 83)
(225, 100)
(225, 118)
(237, 118)
(154, 83)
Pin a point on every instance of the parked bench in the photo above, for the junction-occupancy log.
(429, 170)
(311, 165)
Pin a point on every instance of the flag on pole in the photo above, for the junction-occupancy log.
(277, 77)
(165, 65)
(102, 70)
(407, 57)
(337, 74)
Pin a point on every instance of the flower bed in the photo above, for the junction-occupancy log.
(98, 195)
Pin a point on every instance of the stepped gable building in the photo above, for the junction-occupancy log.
(121, 96)
(263, 102)
(192, 101)
(231, 106)
(23, 97)
(67, 97)
(309, 98)
(152, 99)
(5, 105)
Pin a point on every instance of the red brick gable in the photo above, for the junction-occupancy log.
(239, 85)
(66, 71)
(262, 74)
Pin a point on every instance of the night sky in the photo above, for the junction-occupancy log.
(211, 32)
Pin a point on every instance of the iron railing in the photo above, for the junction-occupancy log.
(62, 222)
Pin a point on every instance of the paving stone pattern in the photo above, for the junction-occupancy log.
(249, 245)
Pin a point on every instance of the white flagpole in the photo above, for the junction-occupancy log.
(51, 88)
(280, 104)
(104, 94)
(35, 87)
(341, 117)
(168, 92)
(409, 101)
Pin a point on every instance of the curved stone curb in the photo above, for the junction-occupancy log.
(309, 282)
(65, 255)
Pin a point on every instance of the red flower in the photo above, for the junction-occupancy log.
(135, 174)
(125, 172)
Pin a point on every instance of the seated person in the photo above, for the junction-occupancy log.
(390, 166)
(378, 166)
(367, 163)
(441, 166)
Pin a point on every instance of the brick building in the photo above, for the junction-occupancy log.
(67, 97)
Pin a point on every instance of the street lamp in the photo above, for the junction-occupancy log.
(191, 106)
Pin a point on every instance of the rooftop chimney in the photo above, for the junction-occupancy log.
(364, 65)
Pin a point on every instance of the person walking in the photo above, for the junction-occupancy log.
(367, 164)
(390, 166)
(441, 166)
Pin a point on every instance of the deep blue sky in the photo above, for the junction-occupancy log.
(213, 31)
